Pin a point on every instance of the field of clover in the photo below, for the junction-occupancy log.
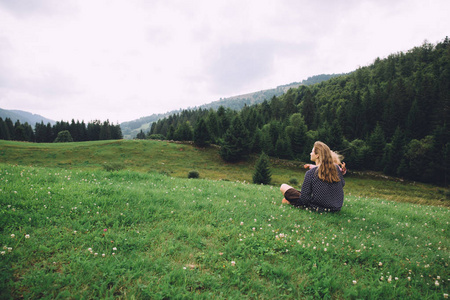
(98, 234)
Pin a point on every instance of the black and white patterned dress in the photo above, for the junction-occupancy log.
(320, 195)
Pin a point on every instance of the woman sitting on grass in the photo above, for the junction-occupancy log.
(322, 189)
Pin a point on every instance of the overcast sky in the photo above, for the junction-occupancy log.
(122, 60)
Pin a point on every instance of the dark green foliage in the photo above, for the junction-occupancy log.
(394, 153)
(171, 132)
(443, 173)
(64, 137)
(44, 133)
(256, 146)
(105, 131)
(440, 154)
(282, 148)
(193, 174)
(78, 130)
(296, 132)
(416, 158)
(113, 166)
(94, 131)
(293, 181)
(184, 132)
(236, 144)
(156, 137)
(377, 144)
(267, 145)
(140, 135)
(224, 117)
(308, 107)
(357, 154)
(213, 126)
(10, 126)
(4, 132)
(19, 133)
(336, 137)
(201, 134)
(262, 173)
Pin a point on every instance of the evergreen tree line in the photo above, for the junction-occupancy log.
(391, 116)
(42, 133)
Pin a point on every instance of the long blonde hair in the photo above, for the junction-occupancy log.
(326, 170)
(337, 158)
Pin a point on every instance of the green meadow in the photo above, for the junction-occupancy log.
(120, 219)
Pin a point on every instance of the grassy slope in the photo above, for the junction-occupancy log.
(178, 159)
(175, 237)
(180, 238)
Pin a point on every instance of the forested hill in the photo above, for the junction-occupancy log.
(131, 128)
(24, 117)
(238, 102)
(391, 116)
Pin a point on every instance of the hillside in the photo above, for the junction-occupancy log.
(119, 219)
(131, 129)
(92, 234)
(177, 160)
(24, 117)
(391, 116)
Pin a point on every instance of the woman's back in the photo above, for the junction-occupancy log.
(322, 195)
(322, 188)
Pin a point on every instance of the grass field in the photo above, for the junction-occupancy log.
(70, 229)
(177, 160)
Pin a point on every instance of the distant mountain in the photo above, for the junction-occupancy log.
(132, 128)
(24, 117)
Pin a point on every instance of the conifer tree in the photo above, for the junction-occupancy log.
(377, 144)
(116, 132)
(266, 141)
(335, 136)
(170, 132)
(297, 134)
(262, 173)
(236, 144)
(213, 126)
(105, 131)
(50, 134)
(4, 133)
(140, 135)
(223, 121)
(93, 130)
(184, 132)
(394, 153)
(282, 148)
(29, 132)
(19, 132)
(440, 159)
(201, 134)
(256, 145)
(10, 126)
(308, 108)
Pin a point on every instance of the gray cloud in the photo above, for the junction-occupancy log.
(23, 8)
(240, 64)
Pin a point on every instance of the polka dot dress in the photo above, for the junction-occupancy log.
(320, 195)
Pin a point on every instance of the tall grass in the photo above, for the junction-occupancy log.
(73, 233)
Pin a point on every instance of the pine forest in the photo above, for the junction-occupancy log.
(391, 116)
